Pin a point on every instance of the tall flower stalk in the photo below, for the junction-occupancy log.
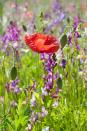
(12, 35)
(49, 64)
(4, 102)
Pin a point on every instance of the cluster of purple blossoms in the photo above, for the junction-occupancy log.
(56, 7)
(34, 84)
(13, 86)
(63, 63)
(32, 120)
(44, 112)
(76, 22)
(35, 116)
(57, 17)
(49, 64)
(75, 26)
(55, 22)
(12, 34)
(33, 101)
(70, 39)
(76, 33)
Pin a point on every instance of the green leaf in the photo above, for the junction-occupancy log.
(13, 73)
(63, 40)
(59, 82)
(24, 28)
(40, 22)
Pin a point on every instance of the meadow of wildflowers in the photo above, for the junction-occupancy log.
(43, 65)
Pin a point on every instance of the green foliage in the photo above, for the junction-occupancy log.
(71, 112)
(13, 73)
(68, 110)
(63, 40)
(59, 82)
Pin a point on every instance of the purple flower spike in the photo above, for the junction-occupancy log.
(12, 35)
(69, 39)
(34, 85)
(44, 112)
(78, 47)
(55, 22)
(57, 16)
(76, 22)
(49, 64)
(56, 76)
(47, 15)
(56, 6)
(15, 82)
(16, 90)
(12, 86)
(77, 35)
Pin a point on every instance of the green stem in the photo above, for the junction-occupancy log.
(4, 106)
(13, 56)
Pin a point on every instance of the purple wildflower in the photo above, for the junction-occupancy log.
(78, 47)
(47, 15)
(34, 117)
(76, 34)
(33, 101)
(56, 6)
(49, 64)
(34, 84)
(15, 82)
(44, 92)
(12, 35)
(59, 19)
(76, 22)
(63, 63)
(31, 25)
(44, 112)
(56, 76)
(56, 17)
(13, 86)
(69, 39)
(55, 22)
(17, 90)
(55, 104)
(81, 61)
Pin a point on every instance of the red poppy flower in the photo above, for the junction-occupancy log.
(42, 43)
